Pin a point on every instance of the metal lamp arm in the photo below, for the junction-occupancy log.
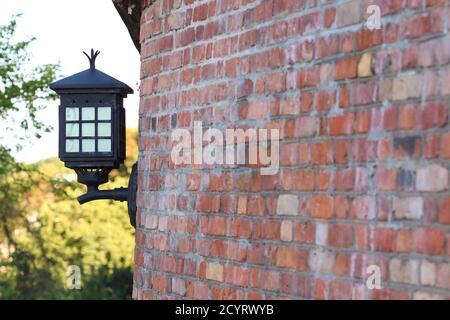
(93, 179)
(117, 194)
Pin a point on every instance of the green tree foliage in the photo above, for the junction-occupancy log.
(23, 90)
(43, 229)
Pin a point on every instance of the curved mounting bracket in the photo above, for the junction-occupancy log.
(132, 191)
(94, 178)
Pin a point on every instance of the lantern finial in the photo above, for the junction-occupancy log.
(92, 57)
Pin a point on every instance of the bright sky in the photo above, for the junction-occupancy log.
(63, 29)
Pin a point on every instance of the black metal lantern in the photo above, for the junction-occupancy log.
(92, 132)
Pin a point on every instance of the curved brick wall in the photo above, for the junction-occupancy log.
(365, 149)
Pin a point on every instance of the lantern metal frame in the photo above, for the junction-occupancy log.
(78, 159)
(95, 89)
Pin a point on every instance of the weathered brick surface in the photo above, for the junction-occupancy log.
(364, 154)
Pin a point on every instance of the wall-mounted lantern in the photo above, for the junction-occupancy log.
(92, 132)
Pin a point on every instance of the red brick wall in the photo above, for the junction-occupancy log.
(365, 150)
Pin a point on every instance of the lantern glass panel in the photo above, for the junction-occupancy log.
(72, 114)
(104, 129)
(88, 129)
(72, 145)
(88, 113)
(104, 113)
(88, 145)
(104, 145)
(72, 130)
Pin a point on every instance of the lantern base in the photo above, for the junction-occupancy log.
(92, 178)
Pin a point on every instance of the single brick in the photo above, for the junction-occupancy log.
(444, 210)
(406, 117)
(432, 178)
(422, 295)
(363, 207)
(429, 241)
(386, 178)
(408, 208)
(287, 204)
(286, 230)
(304, 232)
(290, 105)
(406, 88)
(443, 275)
(340, 235)
(242, 205)
(214, 271)
(289, 257)
(322, 233)
(404, 242)
(175, 20)
(346, 68)
(365, 65)
(306, 126)
(342, 124)
(179, 286)
(322, 207)
(321, 260)
(270, 280)
(427, 273)
(383, 239)
(348, 13)
(404, 271)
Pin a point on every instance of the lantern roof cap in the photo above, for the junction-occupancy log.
(90, 79)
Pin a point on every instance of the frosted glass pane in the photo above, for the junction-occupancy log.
(72, 114)
(88, 113)
(104, 145)
(88, 145)
(88, 129)
(104, 129)
(72, 130)
(72, 145)
(104, 113)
